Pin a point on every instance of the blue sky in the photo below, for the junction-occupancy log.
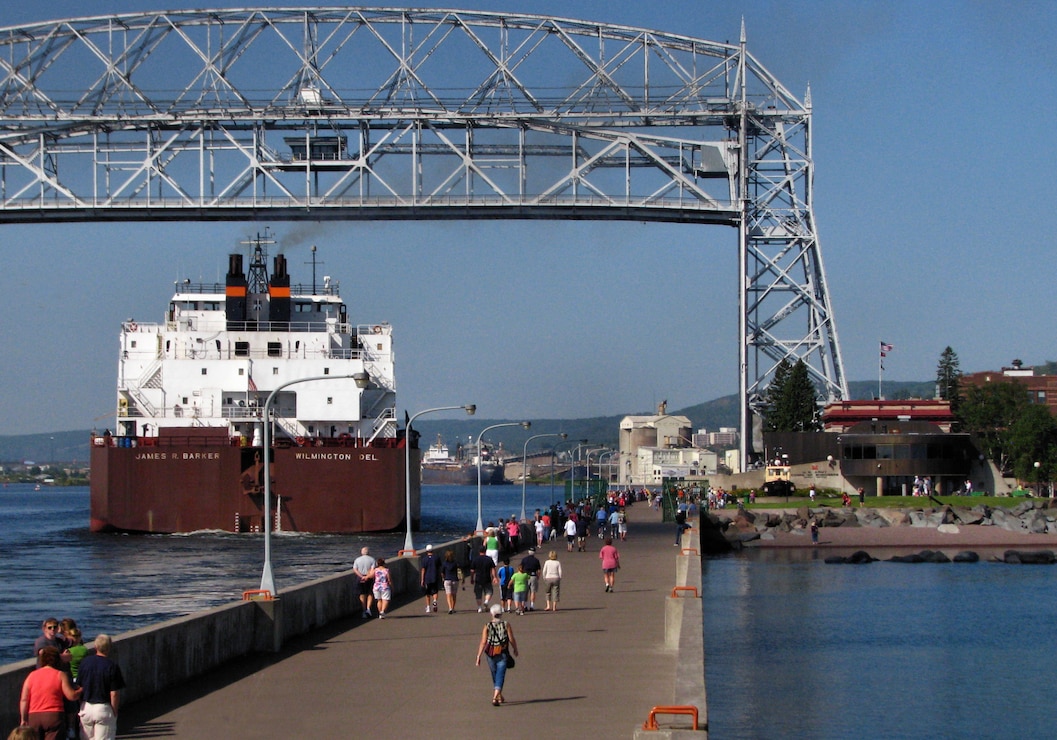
(935, 203)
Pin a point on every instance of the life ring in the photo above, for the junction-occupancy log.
(343, 439)
(132, 326)
(300, 441)
(377, 330)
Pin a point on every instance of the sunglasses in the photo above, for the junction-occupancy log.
(51, 627)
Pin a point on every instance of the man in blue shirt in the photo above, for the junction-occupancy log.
(102, 682)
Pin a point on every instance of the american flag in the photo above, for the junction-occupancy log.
(885, 348)
(253, 386)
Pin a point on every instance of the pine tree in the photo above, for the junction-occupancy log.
(948, 378)
(792, 400)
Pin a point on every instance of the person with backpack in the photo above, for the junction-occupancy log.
(496, 645)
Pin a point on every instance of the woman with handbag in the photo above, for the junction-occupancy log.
(497, 643)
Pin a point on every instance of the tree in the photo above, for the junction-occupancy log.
(792, 399)
(948, 378)
(988, 413)
(1032, 438)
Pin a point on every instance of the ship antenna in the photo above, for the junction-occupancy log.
(314, 263)
(258, 276)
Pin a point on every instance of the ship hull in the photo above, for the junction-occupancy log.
(462, 475)
(187, 488)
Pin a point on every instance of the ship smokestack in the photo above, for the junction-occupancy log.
(279, 293)
(235, 294)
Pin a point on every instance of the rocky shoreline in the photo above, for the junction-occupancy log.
(1025, 528)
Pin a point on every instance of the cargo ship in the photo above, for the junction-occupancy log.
(187, 451)
(440, 467)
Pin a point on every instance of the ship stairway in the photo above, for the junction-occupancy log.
(290, 428)
(150, 378)
(383, 422)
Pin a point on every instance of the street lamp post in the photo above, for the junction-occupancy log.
(524, 465)
(553, 501)
(604, 454)
(470, 409)
(523, 425)
(362, 379)
(572, 469)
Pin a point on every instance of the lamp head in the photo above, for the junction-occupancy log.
(471, 409)
(564, 435)
(526, 424)
(362, 379)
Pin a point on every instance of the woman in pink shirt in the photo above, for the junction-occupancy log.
(610, 563)
(40, 705)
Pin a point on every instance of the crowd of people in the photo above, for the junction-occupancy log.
(74, 692)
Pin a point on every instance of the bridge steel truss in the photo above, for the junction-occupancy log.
(357, 113)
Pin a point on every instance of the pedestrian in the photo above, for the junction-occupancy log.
(362, 566)
(811, 493)
(862, 496)
(429, 578)
(570, 533)
(506, 586)
(519, 585)
(491, 545)
(537, 525)
(532, 568)
(449, 571)
(497, 643)
(41, 703)
(484, 577)
(622, 525)
(582, 532)
(50, 637)
(551, 573)
(610, 563)
(681, 525)
(102, 682)
(814, 531)
(383, 591)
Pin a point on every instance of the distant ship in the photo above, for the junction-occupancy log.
(187, 453)
(439, 467)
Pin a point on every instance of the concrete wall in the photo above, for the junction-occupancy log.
(155, 658)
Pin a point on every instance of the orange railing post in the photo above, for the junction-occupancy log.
(651, 722)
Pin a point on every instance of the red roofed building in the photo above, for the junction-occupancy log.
(887, 417)
(1041, 389)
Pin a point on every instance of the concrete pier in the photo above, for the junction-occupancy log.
(595, 668)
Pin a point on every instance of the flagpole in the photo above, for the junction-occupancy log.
(880, 371)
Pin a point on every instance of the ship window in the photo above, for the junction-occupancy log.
(330, 399)
(326, 371)
(242, 349)
(242, 371)
(275, 349)
(311, 430)
(185, 400)
(275, 371)
(133, 344)
(204, 371)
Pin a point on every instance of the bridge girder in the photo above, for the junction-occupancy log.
(360, 113)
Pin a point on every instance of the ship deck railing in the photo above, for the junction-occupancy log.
(196, 440)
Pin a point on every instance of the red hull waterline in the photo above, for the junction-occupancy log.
(332, 489)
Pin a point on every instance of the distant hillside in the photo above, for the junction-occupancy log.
(598, 430)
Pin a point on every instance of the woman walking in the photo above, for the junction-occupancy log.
(383, 591)
(497, 641)
(610, 563)
(551, 573)
(449, 570)
(41, 704)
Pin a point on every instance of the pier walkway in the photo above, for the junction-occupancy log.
(594, 668)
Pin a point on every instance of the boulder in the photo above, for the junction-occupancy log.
(1029, 557)
(919, 519)
(934, 556)
(968, 516)
(1036, 521)
(966, 556)
(912, 558)
(894, 517)
(948, 529)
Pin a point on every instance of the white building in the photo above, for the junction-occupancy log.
(660, 446)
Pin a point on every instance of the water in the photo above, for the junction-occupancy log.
(798, 648)
(51, 565)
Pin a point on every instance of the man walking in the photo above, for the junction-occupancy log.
(362, 565)
(429, 572)
(484, 579)
(532, 566)
(101, 679)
